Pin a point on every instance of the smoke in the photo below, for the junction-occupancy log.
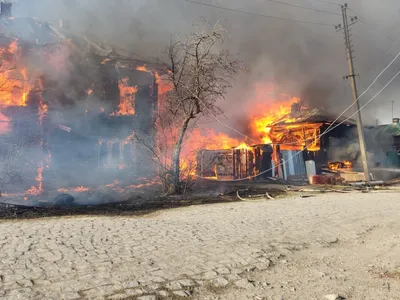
(347, 148)
(302, 60)
(286, 58)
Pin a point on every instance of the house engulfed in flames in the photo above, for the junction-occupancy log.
(289, 141)
(71, 103)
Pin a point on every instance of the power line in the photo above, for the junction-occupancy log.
(328, 2)
(304, 7)
(258, 14)
(373, 27)
(377, 31)
(332, 123)
(368, 88)
(322, 134)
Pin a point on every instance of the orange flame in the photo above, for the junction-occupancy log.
(14, 83)
(340, 165)
(272, 112)
(81, 189)
(35, 191)
(164, 85)
(143, 69)
(127, 98)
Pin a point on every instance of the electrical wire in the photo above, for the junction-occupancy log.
(328, 2)
(368, 88)
(332, 123)
(258, 14)
(322, 134)
(305, 7)
(363, 21)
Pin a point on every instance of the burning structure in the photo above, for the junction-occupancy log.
(69, 107)
(290, 137)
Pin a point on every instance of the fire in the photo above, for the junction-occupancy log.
(106, 60)
(348, 164)
(13, 48)
(164, 85)
(14, 82)
(296, 136)
(127, 98)
(243, 146)
(81, 189)
(143, 69)
(273, 112)
(206, 139)
(35, 191)
(340, 165)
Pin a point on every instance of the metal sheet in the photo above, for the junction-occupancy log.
(294, 162)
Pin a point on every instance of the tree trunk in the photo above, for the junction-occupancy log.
(177, 157)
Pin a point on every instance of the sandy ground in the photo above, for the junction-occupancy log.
(294, 248)
(358, 259)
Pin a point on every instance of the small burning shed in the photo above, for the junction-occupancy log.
(236, 163)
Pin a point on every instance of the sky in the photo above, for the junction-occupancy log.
(294, 58)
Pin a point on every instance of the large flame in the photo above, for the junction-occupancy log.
(271, 112)
(14, 83)
(126, 105)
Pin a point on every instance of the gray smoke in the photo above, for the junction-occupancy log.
(286, 58)
(379, 147)
(302, 60)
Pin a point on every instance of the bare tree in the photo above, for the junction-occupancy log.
(201, 69)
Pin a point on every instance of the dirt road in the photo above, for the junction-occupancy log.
(295, 248)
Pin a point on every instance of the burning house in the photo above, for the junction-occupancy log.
(70, 106)
(290, 139)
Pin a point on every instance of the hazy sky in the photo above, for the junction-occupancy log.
(297, 59)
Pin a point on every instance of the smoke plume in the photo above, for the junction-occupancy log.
(299, 59)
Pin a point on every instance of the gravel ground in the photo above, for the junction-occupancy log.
(294, 248)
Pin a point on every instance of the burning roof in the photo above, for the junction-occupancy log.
(311, 116)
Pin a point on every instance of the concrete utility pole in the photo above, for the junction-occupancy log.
(352, 77)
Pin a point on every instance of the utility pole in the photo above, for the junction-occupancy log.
(352, 77)
(392, 110)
